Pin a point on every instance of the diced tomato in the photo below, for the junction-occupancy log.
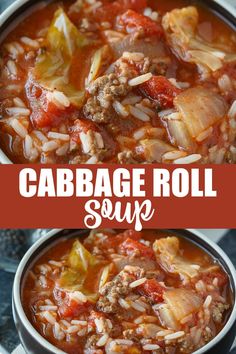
(137, 5)
(73, 308)
(152, 289)
(222, 278)
(113, 241)
(67, 306)
(44, 112)
(82, 125)
(93, 316)
(109, 11)
(129, 246)
(136, 22)
(134, 235)
(161, 89)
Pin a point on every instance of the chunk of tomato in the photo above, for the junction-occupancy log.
(113, 241)
(136, 5)
(130, 246)
(134, 235)
(161, 89)
(71, 308)
(222, 278)
(82, 125)
(135, 22)
(93, 316)
(44, 112)
(109, 11)
(152, 290)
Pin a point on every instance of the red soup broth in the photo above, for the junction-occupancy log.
(120, 82)
(127, 291)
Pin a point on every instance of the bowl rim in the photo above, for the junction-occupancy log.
(5, 15)
(47, 345)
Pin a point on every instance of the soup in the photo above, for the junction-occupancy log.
(125, 81)
(127, 292)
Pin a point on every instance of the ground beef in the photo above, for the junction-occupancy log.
(94, 111)
(117, 288)
(207, 334)
(126, 157)
(131, 334)
(104, 91)
(217, 312)
(91, 344)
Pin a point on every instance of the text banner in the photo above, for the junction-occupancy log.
(118, 196)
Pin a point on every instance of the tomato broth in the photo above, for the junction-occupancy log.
(127, 292)
(125, 81)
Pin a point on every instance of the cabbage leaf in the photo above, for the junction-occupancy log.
(53, 65)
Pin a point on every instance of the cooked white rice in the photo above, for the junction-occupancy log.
(78, 296)
(204, 135)
(18, 128)
(40, 136)
(102, 341)
(124, 342)
(151, 347)
(188, 159)
(14, 49)
(86, 142)
(137, 306)
(59, 99)
(11, 66)
(30, 42)
(18, 111)
(48, 308)
(146, 110)
(73, 329)
(59, 136)
(140, 79)
(133, 56)
(131, 100)
(225, 83)
(18, 102)
(173, 155)
(137, 113)
(50, 146)
(232, 111)
(138, 282)
(120, 109)
(123, 303)
(92, 160)
(49, 317)
(79, 323)
(175, 335)
(207, 302)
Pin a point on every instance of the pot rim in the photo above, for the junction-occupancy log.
(50, 235)
(4, 159)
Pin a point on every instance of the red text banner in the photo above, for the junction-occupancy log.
(137, 196)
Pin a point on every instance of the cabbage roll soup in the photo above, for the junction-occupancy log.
(128, 292)
(124, 81)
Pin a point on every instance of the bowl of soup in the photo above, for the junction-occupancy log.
(106, 291)
(123, 81)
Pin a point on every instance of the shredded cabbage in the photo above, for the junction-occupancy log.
(167, 251)
(78, 263)
(180, 26)
(53, 65)
(182, 302)
(80, 259)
